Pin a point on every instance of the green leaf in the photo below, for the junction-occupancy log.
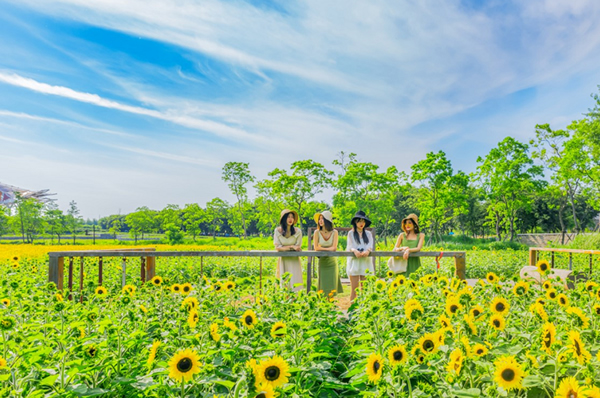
(470, 393)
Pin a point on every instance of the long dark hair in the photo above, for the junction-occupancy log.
(283, 224)
(365, 238)
(328, 225)
(417, 230)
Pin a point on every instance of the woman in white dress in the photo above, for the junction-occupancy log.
(288, 238)
(360, 242)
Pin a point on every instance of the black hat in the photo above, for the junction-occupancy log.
(361, 214)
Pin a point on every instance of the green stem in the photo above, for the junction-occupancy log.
(182, 387)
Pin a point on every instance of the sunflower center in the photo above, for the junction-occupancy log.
(428, 345)
(453, 308)
(547, 339)
(508, 374)
(577, 348)
(543, 267)
(376, 366)
(476, 313)
(479, 351)
(496, 323)
(572, 394)
(500, 307)
(598, 310)
(92, 352)
(248, 320)
(186, 289)
(261, 395)
(272, 373)
(552, 294)
(184, 365)
(398, 355)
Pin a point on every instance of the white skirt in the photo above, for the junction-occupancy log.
(359, 266)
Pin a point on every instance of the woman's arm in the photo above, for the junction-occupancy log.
(277, 242)
(397, 246)
(298, 244)
(317, 246)
(351, 245)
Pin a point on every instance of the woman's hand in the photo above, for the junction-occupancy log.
(297, 248)
(406, 253)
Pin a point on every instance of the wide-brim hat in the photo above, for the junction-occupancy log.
(286, 211)
(413, 217)
(326, 215)
(361, 215)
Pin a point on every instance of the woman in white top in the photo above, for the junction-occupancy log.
(360, 242)
(288, 238)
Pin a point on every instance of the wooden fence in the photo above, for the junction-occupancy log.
(148, 257)
(534, 251)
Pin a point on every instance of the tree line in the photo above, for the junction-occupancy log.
(549, 184)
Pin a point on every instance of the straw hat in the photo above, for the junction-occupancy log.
(284, 212)
(361, 215)
(326, 215)
(413, 217)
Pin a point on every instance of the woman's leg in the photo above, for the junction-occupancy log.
(362, 279)
(354, 280)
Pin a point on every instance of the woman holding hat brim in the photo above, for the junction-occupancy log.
(288, 238)
(410, 241)
(360, 242)
(326, 239)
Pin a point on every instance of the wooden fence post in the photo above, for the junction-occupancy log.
(460, 263)
(532, 256)
(56, 271)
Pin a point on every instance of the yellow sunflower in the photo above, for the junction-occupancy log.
(278, 330)
(152, 353)
(593, 392)
(214, 332)
(569, 388)
(249, 319)
(500, 306)
(508, 374)
(190, 303)
(590, 286)
(374, 367)
(548, 337)
(581, 320)
(186, 288)
(577, 348)
(128, 289)
(520, 288)
(156, 281)
(456, 361)
(101, 291)
(429, 343)
(3, 363)
(538, 309)
(413, 310)
(6, 302)
(193, 318)
(498, 322)
(445, 321)
(597, 309)
(379, 285)
(491, 277)
(229, 285)
(476, 311)
(563, 300)
(551, 294)
(401, 280)
(184, 365)
(543, 266)
(547, 285)
(274, 371)
(390, 274)
(265, 390)
(452, 307)
(480, 350)
(397, 355)
(176, 288)
(229, 324)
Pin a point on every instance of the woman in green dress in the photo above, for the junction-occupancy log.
(326, 239)
(410, 241)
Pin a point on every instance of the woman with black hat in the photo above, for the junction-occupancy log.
(326, 239)
(360, 242)
(288, 238)
(410, 241)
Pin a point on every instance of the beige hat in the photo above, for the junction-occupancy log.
(326, 215)
(413, 217)
(286, 211)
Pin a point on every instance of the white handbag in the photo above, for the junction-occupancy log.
(397, 264)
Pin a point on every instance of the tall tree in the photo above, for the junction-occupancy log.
(4, 221)
(361, 186)
(440, 195)
(140, 222)
(508, 176)
(237, 175)
(73, 219)
(28, 219)
(267, 205)
(56, 220)
(216, 214)
(193, 216)
(308, 179)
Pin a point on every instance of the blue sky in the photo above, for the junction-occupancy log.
(120, 104)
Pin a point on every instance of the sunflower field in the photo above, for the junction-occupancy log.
(217, 334)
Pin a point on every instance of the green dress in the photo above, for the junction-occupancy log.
(413, 263)
(329, 274)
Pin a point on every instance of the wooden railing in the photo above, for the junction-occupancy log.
(148, 261)
(533, 255)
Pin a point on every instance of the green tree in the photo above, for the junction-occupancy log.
(216, 214)
(307, 180)
(361, 186)
(28, 219)
(115, 227)
(193, 216)
(4, 221)
(73, 219)
(56, 221)
(440, 194)
(140, 222)
(237, 175)
(267, 206)
(508, 177)
(170, 216)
